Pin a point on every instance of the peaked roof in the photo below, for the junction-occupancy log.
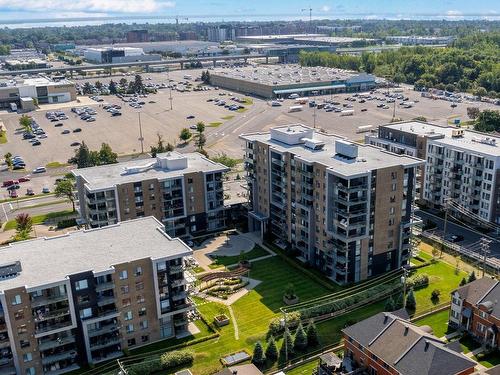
(484, 292)
(406, 347)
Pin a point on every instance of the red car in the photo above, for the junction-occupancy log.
(24, 179)
(8, 183)
(13, 194)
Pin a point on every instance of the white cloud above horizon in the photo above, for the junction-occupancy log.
(89, 6)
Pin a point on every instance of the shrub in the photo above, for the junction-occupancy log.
(435, 294)
(292, 320)
(148, 366)
(66, 223)
(300, 341)
(312, 334)
(258, 354)
(411, 303)
(418, 281)
(176, 358)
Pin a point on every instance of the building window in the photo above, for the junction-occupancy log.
(131, 342)
(127, 315)
(24, 344)
(138, 271)
(124, 289)
(22, 329)
(144, 338)
(143, 324)
(19, 315)
(142, 311)
(139, 285)
(16, 300)
(393, 187)
(140, 299)
(27, 357)
(123, 275)
(30, 371)
(126, 302)
(83, 299)
(130, 328)
(481, 328)
(86, 313)
(483, 314)
(82, 284)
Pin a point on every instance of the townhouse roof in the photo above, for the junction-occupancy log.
(49, 260)
(409, 349)
(301, 141)
(474, 291)
(164, 166)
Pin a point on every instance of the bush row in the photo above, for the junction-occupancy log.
(166, 361)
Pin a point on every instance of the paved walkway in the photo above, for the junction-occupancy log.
(452, 335)
(223, 245)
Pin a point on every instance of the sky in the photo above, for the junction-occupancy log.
(218, 10)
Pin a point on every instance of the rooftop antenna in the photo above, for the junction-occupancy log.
(310, 17)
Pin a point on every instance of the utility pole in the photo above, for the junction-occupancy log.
(169, 88)
(485, 247)
(403, 280)
(141, 138)
(445, 225)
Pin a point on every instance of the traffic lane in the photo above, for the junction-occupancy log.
(470, 236)
(11, 209)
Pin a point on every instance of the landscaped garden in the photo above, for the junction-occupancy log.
(256, 252)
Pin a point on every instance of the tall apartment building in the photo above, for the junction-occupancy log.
(184, 191)
(345, 207)
(86, 296)
(461, 165)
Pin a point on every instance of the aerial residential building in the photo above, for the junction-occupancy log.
(388, 344)
(184, 191)
(475, 309)
(461, 164)
(344, 207)
(86, 296)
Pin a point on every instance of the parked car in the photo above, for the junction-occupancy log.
(77, 130)
(39, 170)
(45, 190)
(13, 194)
(190, 117)
(65, 131)
(74, 144)
(59, 124)
(7, 183)
(30, 192)
(36, 143)
(24, 179)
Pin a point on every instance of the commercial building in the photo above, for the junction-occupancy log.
(413, 40)
(282, 80)
(277, 38)
(137, 36)
(475, 309)
(388, 344)
(35, 63)
(86, 296)
(344, 207)
(184, 191)
(43, 89)
(462, 165)
(118, 55)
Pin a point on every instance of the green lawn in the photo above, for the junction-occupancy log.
(228, 117)
(438, 322)
(489, 360)
(256, 252)
(441, 276)
(305, 369)
(56, 164)
(40, 219)
(241, 110)
(215, 124)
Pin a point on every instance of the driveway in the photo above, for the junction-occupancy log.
(223, 245)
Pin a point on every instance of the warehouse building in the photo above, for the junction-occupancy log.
(282, 80)
(118, 55)
(42, 89)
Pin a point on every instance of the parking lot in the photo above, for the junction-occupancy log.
(122, 132)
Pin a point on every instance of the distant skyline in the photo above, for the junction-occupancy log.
(16, 11)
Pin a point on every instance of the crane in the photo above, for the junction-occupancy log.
(177, 20)
(310, 17)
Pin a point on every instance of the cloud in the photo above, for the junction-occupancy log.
(454, 15)
(88, 6)
(325, 8)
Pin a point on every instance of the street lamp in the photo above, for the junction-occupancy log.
(141, 138)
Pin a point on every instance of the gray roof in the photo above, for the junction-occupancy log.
(406, 347)
(473, 292)
(369, 157)
(108, 176)
(471, 140)
(490, 301)
(49, 260)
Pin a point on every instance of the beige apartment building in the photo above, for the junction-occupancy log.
(343, 207)
(184, 191)
(86, 296)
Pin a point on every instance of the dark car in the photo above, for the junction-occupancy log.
(28, 136)
(454, 238)
(74, 144)
(116, 114)
(59, 124)
(190, 117)
(66, 131)
(77, 130)
(36, 143)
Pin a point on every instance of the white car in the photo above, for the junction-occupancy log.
(39, 170)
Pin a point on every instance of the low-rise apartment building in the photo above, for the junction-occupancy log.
(389, 344)
(184, 191)
(461, 165)
(86, 296)
(344, 207)
(475, 309)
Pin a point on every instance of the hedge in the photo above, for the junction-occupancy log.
(66, 223)
(166, 361)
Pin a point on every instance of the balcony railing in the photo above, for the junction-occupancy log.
(55, 342)
(105, 286)
(58, 357)
(54, 314)
(45, 300)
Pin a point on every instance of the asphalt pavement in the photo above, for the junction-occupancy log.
(33, 206)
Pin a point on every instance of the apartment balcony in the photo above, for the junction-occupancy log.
(176, 269)
(340, 269)
(58, 357)
(105, 300)
(55, 343)
(105, 286)
(3, 327)
(352, 188)
(341, 259)
(52, 327)
(46, 300)
(105, 343)
(64, 370)
(54, 314)
(103, 329)
(351, 200)
(179, 296)
(107, 313)
(8, 369)
(177, 283)
(4, 343)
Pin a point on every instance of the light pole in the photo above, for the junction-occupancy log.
(169, 88)
(141, 138)
(403, 281)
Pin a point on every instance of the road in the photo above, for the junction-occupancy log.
(470, 235)
(33, 207)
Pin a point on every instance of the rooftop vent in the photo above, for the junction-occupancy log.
(10, 269)
(457, 133)
(427, 343)
(313, 144)
(346, 149)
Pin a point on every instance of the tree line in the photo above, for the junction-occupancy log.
(471, 64)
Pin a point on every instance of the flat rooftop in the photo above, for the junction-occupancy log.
(275, 75)
(332, 39)
(37, 81)
(471, 140)
(48, 260)
(107, 176)
(368, 157)
(279, 37)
